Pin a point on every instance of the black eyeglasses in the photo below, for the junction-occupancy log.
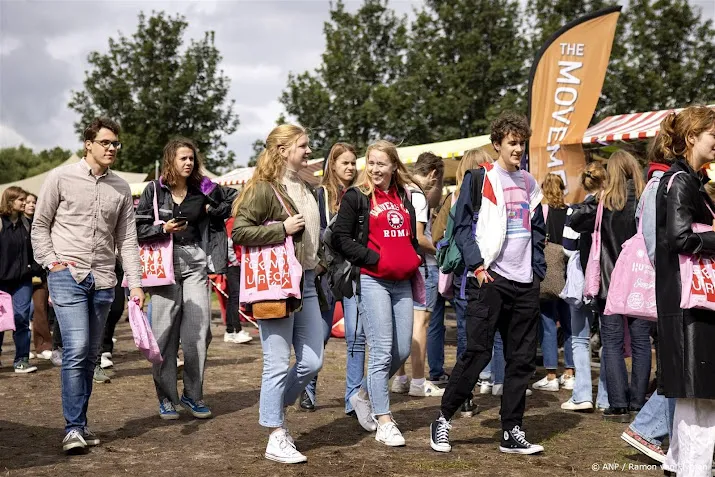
(106, 143)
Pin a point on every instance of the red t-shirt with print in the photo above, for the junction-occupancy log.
(390, 235)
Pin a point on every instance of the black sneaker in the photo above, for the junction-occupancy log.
(514, 442)
(468, 408)
(439, 434)
(617, 414)
(90, 437)
(305, 402)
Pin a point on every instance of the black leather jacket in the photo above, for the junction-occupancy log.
(616, 227)
(686, 362)
(214, 239)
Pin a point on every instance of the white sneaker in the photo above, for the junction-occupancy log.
(281, 449)
(545, 385)
(105, 361)
(577, 406)
(32, 355)
(46, 355)
(399, 387)
(498, 390)
(363, 411)
(389, 435)
(567, 382)
(228, 337)
(427, 389)
(242, 336)
(485, 386)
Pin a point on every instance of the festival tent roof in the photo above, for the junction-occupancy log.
(445, 149)
(34, 184)
(627, 127)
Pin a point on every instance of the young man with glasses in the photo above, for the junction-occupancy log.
(83, 213)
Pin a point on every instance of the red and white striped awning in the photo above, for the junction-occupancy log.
(627, 127)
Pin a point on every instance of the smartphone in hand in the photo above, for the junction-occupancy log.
(181, 220)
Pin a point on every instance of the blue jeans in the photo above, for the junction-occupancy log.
(552, 311)
(495, 369)
(385, 308)
(355, 340)
(620, 394)
(280, 384)
(655, 419)
(81, 312)
(581, 320)
(21, 301)
(460, 309)
(436, 330)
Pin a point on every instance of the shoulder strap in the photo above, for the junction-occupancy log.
(363, 207)
(326, 203)
(156, 203)
(280, 199)
(670, 182)
(477, 186)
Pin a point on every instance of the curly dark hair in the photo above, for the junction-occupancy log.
(509, 122)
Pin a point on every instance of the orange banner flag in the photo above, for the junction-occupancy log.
(564, 87)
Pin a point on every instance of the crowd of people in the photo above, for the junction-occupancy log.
(377, 242)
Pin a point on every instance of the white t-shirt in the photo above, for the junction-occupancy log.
(422, 214)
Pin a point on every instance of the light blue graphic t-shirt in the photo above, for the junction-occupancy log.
(514, 261)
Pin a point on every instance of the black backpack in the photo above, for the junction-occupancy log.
(341, 273)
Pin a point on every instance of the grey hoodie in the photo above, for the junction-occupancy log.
(647, 205)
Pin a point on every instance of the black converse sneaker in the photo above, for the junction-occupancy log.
(514, 442)
(439, 434)
(468, 408)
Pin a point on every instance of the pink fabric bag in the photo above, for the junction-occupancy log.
(592, 277)
(143, 336)
(444, 285)
(157, 257)
(632, 289)
(697, 273)
(270, 272)
(7, 315)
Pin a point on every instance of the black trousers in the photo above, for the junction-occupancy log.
(513, 309)
(115, 313)
(233, 280)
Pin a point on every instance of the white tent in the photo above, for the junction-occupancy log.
(34, 184)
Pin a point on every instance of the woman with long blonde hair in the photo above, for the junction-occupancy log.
(554, 309)
(274, 204)
(593, 180)
(340, 173)
(620, 197)
(686, 362)
(378, 212)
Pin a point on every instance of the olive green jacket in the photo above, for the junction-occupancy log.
(260, 205)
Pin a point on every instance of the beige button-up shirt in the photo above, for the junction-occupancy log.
(81, 219)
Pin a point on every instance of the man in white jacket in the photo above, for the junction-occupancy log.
(502, 246)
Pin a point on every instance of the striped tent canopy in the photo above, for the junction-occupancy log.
(627, 127)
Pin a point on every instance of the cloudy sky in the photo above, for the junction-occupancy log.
(44, 47)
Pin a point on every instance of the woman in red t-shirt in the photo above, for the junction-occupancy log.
(379, 211)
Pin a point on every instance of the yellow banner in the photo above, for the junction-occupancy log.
(564, 88)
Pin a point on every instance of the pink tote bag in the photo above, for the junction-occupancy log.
(157, 258)
(592, 276)
(697, 272)
(7, 315)
(270, 272)
(143, 336)
(632, 289)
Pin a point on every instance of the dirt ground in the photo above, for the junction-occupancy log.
(136, 442)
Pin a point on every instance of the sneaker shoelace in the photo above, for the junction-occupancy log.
(74, 434)
(390, 429)
(442, 434)
(167, 405)
(285, 444)
(520, 436)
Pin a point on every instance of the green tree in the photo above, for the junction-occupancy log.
(21, 162)
(156, 89)
(257, 146)
(346, 96)
(466, 62)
